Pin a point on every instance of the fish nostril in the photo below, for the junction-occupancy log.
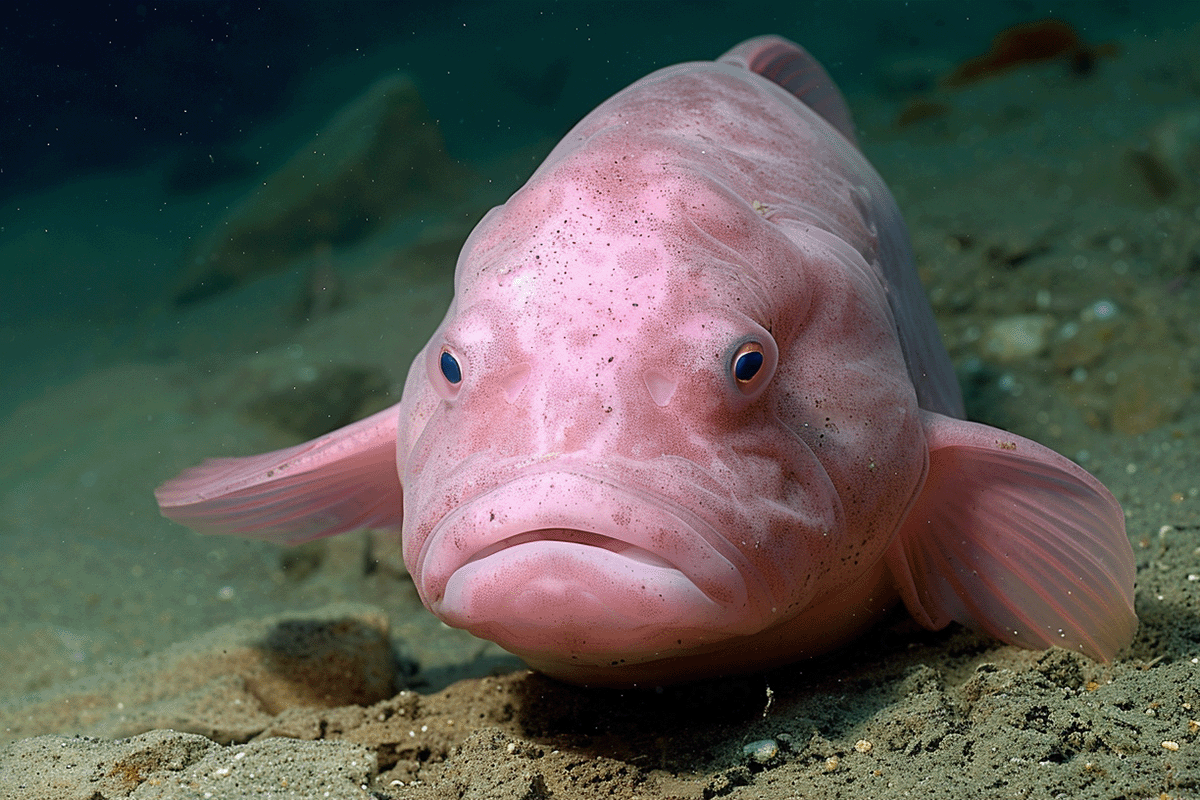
(661, 388)
(514, 382)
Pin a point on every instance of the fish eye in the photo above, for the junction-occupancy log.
(451, 371)
(747, 361)
(752, 363)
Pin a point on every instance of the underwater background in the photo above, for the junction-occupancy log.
(227, 227)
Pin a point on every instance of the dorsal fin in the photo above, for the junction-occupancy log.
(792, 67)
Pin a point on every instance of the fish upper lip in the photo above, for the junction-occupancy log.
(474, 530)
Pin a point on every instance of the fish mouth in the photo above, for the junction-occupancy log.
(584, 538)
(560, 561)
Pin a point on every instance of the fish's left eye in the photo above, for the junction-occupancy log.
(747, 361)
(752, 364)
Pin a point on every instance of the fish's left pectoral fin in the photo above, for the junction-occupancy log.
(1013, 539)
(339, 482)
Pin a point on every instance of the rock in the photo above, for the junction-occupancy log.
(226, 684)
(378, 157)
(762, 752)
(168, 765)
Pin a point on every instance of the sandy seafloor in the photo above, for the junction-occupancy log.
(1067, 291)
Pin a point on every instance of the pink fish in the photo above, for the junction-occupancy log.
(689, 414)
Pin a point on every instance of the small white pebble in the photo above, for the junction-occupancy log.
(1169, 745)
(1102, 309)
(863, 746)
(239, 756)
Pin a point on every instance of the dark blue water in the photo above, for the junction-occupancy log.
(118, 116)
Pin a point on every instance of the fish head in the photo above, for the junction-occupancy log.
(621, 451)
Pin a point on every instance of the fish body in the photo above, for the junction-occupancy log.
(689, 413)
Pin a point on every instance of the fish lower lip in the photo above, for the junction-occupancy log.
(574, 536)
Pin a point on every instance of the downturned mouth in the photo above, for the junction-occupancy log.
(563, 560)
(576, 536)
(588, 529)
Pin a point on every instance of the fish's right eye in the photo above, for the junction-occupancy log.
(445, 369)
(451, 370)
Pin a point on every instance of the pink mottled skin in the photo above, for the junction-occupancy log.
(589, 470)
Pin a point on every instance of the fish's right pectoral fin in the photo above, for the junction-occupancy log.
(1013, 539)
(344, 480)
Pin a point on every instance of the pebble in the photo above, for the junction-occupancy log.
(1017, 338)
(764, 751)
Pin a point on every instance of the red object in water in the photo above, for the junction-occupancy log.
(1030, 42)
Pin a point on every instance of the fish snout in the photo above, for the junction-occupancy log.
(561, 560)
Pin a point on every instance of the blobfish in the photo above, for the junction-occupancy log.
(689, 414)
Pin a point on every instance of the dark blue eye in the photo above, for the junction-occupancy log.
(747, 361)
(451, 371)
